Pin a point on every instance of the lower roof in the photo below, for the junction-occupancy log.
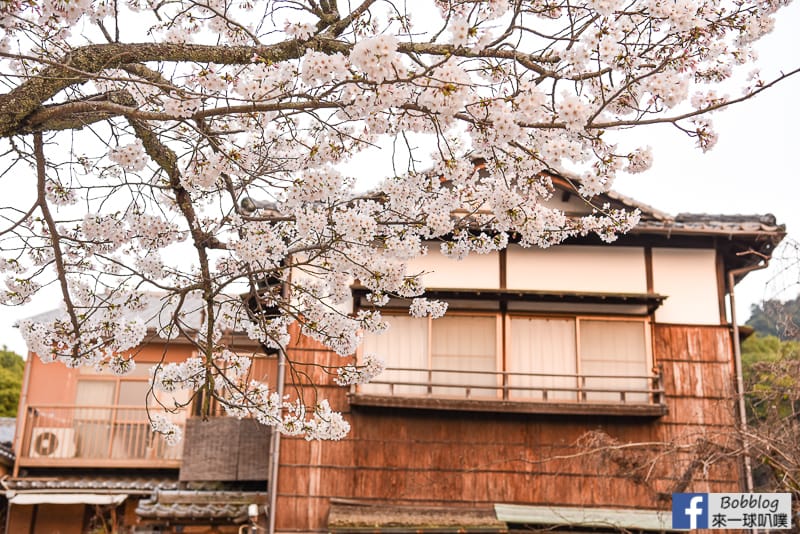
(358, 517)
(90, 483)
(625, 519)
(193, 505)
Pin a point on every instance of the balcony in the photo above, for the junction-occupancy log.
(530, 393)
(95, 436)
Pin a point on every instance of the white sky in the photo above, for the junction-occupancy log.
(752, 170)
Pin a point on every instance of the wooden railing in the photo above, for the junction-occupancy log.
(95, 436)
(511, 387)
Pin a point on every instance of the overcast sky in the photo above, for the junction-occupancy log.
(752, 170)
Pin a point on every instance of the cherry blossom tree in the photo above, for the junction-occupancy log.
(203, 151)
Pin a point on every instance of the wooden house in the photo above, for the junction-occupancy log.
(573, 387)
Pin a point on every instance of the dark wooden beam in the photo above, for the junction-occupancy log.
(499, 406)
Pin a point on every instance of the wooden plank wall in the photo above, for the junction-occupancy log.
(467, 459)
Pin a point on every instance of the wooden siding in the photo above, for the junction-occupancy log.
(58, 518)
(418, 457)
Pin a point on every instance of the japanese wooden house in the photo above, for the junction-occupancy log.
(573, 387)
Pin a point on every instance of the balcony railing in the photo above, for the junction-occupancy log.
(516, 392)
(95, 436)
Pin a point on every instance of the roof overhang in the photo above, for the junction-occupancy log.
(523, 300)
(585, 517)
(744, 241)
(205, 505)
(106, 485)
(354, 517)
(29, 498)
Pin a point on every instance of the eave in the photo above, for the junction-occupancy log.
(597, 409)
(525, 300)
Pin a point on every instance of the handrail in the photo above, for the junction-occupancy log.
(514, 388)
(587, 388)
(514, 373)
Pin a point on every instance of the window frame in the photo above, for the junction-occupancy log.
(503, 339)
(577, 318)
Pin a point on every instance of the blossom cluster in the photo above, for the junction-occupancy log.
(286, 417)
(423, 307)
(130, 157)
(371, 366)
(170, 377)
(171, 432)
(377, 58)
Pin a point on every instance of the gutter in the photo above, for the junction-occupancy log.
(737, 357)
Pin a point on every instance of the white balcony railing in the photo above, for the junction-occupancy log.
(95, 436)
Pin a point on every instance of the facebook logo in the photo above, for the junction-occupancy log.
(689, 511)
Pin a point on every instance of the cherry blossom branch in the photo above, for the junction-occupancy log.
(58, 258)
(698, 112)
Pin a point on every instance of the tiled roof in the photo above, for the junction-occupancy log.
(7, 455)
(703, 223)
(156, 313)
(358, 517)
(193, 505)
(98, 483)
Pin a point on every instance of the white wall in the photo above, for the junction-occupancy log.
(596, 269)
(575, 205)
(688, 277)
(476, 271)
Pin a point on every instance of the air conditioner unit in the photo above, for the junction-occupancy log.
(56, 442)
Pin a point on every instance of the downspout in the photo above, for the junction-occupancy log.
(275, 437)
(737, 358)
(250, 205)
(275, 447)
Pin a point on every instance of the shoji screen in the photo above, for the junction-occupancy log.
(405, 344)
(465, 343)
(545, 346)
(614, 348)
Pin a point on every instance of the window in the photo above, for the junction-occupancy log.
(464, 352)
(564, 357)
(105, 389)
(516, 357)
(545, 348)
(456, 355)
(111, 416)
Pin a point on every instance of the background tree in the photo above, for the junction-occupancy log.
(771, 366)
(138, 134)
(772, 385)
(12, 367)
(777, 318)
